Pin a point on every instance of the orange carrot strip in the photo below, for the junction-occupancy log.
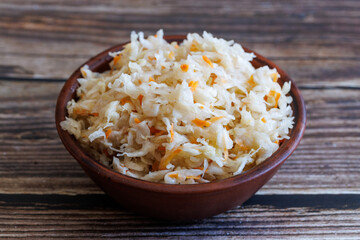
(207, 60)
(125, 100)
(251, 81)
(171, 54)
(95, 114)
(140, 98)
(277, 97)
(193, 85)
(274, 77)
(172, 133)
(184, 67)
(193, 177)
(277, 141)
(213, 77)
(151, 58)
(263, 120)
(155, 166)
(201, 123)
(214, 119)
(117, 58)
(173, 175)
(107, 133)
(137, 121)
(167, 158)
(151, 79)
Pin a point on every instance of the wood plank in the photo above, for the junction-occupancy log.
(39, 36)
(96, 216)
(33, 160)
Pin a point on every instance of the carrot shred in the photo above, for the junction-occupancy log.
(277, 141)
(184, 67)
(162, 67)
(155, 35)
(201, 123)
(117, 58)
(107, 133)
(151, 79)
(193, 85)
(227, 127)
(213, 77)
(207, 60)
(263, 120)
(173, 175)
(125, 100)
(192, 139)
(193, 177)
(214, 119)
(140, 98)
(172, 133)
(151, 58)
(137, 121)
(167, 158)
(194, 46)
(274, 77)
(94, 114)
(161, 148)
(277, 97)
(171, 54)
(251, 81)
(155, 166)
(201, 107)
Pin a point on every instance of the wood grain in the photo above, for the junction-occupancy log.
(311, 40)
(325, 162)
(44, 194)
(96, 216)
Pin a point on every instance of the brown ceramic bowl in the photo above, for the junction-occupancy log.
(178, 202)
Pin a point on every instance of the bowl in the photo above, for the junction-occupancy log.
(178, 202)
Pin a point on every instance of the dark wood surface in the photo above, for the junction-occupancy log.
(45, 194)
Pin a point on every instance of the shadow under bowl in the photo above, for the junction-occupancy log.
(178, 202)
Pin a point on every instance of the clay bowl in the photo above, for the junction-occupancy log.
(178, 202)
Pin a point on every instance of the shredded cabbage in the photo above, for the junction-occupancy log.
(180, 114)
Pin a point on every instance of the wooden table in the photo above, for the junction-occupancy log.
(45, 194)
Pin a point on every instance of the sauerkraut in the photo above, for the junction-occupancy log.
(180, 113)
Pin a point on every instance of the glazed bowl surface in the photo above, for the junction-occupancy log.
(178, 202)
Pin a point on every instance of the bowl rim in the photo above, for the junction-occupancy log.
(276, 159)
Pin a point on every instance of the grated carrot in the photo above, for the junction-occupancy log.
(214, 119)
(277, 141)
(213, 77)
(274, 77)
(151, 79)
(193, 177)
(151, 58)
(125, 100)
(155, 166)
(167, 158)
(263, 120)
(173, 175)
(193, 85)
(251, 81)
(171, 54)
(94, 114)
(137, 121)
(155, 35)
(277, 97)
(201, 123)
(207, 60)
(83, 73)
(117, 58)
(201, 107)
(192, 139)
(162, 67)
(184, 67)
(194, 46)
(140, 98)
(172, 133)
(107, 133)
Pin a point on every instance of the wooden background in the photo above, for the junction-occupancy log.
(45, 194)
